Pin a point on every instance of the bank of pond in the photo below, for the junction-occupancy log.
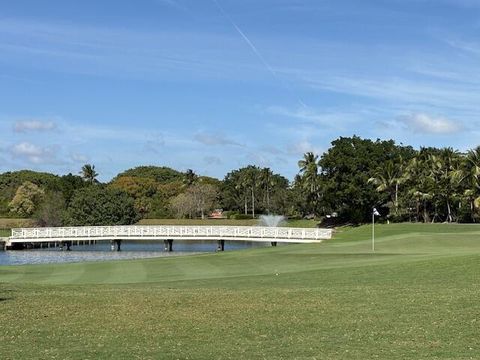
(102, 251)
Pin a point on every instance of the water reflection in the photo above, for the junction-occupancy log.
(130, 250)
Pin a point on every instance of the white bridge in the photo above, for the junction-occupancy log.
(168, 233)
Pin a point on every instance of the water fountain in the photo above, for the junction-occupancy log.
(272, 220)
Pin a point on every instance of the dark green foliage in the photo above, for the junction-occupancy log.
(354, 175)
(241, 217)
(160, 174)
(99, 205)
(254, 190)
(345, 172)
(10, 181)
(89, 174)
(68, 184)
(51, 211)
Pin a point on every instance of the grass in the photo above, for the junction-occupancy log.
(416, 297)
(220, 222)
(7, 223)
(5, 232)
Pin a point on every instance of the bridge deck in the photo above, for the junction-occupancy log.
(167, 232)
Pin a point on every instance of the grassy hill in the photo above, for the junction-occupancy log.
(416, 297)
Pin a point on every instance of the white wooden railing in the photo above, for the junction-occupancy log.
(164, 232)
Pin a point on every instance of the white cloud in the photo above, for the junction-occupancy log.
(212, 160)
(302, 113)
(33, 154)
(214, 139)
(331, 118)
(155, 143)
(23, 126)
(430, 124)
(303, 146)
(79, 158)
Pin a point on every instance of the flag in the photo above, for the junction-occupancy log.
(375, 212)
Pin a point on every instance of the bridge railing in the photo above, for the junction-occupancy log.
(174, 231)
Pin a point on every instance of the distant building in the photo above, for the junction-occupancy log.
(217, 214)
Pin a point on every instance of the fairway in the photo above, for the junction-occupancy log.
(416, 297)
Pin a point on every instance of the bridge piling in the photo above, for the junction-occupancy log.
(220, 245)
(168, 245)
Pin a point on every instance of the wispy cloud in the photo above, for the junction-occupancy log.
(34, 154)
(79, 158)
(307, 114)
(23, 126)
(213, 139)
(212, 160)
(301, 147)
(403, 91)
(155, 142)
(119, 52)
(430, 124)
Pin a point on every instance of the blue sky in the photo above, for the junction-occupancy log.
(216, 85)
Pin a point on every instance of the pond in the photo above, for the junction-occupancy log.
(101, 251)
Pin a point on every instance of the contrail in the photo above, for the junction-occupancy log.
(254, 48)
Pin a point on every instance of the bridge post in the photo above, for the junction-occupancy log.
(168, 245)
(274, 243)
(68, 244)
(220, 245)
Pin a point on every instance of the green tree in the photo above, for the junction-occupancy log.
(309, 180)
(51, 212)
(89, 174)
(190, 178)
(99, 205)
(27, 198)
(266, 182)
(468, 176)
(387, 178)
(445, 167)
(160, 174)
(142, 191)
(345, 170)
(253, 188)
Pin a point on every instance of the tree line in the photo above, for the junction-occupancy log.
(341, 186)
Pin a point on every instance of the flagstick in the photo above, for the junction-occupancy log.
(373, 231)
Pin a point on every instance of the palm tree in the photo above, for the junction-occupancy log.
(420, 182)
(89, 174)
(445, 167)
(251, 181)
(310, 178)
(190, 177)
(468, 175)
(267, 181)
(388, 178)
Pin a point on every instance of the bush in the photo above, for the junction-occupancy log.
(230, 214)
(242, 216)
(97, 205)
